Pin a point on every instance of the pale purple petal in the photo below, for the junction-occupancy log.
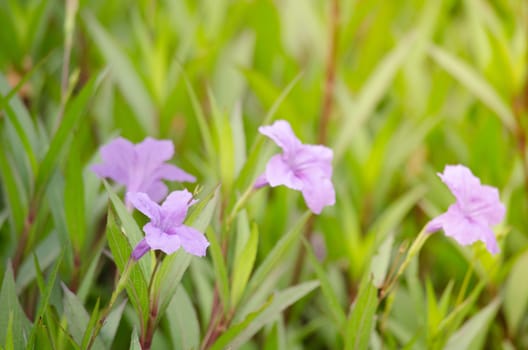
(154, 151)
(192, 240)
(460, 181)
(150, 156)
(484, 206)
(282, 134)
(141, 249)
(318, 193)
(459, 227)
(488, 237)
(313, 158)
(465, 231)
(279, 172)
(175, 207)
(157, 190)
(118, 156)
(159, 240)
(173, 173)
(142, 202)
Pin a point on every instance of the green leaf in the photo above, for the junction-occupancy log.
(380, 262)
(207, 138)
(269, 94)
(239, 138)
(473, 333)
(46, 252)
(331, 298)
(455, 317)
(516, 293)
(126, 76)
(183, 321)
(200, 273)
(91, 323)
(361, 318)
(394, 214)
(371, 93)
(77, 317)
(12, 188)
(219, 265)
(58, 148)
(130, 228)
(238, 50)
(137, 287)
(134, 340)
(90, 274)
(111, 324)
(475, 83)
(239, 334)
(243, 265)
(224, 145)
(274, 257)
(12, 309)
(74, 198)
(20, 119)
(54, 193)
(9, 344)
(38, 18)
(169, 276)
(45, 292)
(247, 173)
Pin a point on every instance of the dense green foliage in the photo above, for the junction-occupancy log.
(398, 89)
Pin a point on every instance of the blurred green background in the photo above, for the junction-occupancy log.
(409, 87)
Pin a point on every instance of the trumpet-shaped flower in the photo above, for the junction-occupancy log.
(477, 207)
(305, 168)
(166, 231)
(140, 167)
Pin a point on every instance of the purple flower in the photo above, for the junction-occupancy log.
(305, 168)
(477, 207)
(140, 167)
(166, 230)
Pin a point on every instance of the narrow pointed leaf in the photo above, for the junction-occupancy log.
(361, 318)
(239, 334)
(11, 306)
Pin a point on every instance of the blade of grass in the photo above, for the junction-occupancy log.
(126, 76)
(475, 83)
(372, 92)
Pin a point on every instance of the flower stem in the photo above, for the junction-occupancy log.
(414, 249)
(331, 66)
(239, 204)
(326, 112)
(148, 331)
(520, 110)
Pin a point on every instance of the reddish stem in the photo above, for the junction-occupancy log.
(326, 112)
(146, 339)
(331, 66)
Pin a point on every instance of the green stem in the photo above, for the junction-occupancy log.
(413, 251)
(239, 204)
(415, 248)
